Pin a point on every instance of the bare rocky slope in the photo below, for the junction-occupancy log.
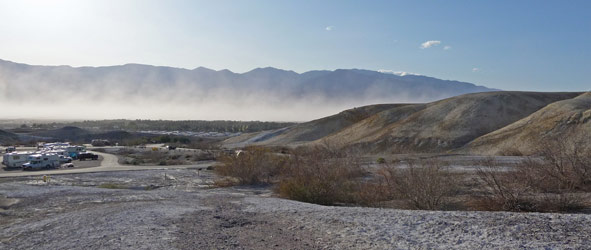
(439, 126)
(567, 120)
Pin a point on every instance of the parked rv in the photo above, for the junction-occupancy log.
(40, 161)
(15, 159)
(72, 150)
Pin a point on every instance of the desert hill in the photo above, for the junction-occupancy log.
(433, 127)
(453, 122)
(567, 120)
(313, 130)
(76, 134)
(68, 133)
(372, 126)
(7, 137)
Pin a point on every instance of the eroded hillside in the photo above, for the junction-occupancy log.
(566, 120)
(439, 126)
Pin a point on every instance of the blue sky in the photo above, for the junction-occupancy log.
(512, 45)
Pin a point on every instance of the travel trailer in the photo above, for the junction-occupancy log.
(15, 159)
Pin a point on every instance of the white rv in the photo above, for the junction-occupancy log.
(38, 161)
(71, 150)
(63, 155)
(74, 151)
(15, 159)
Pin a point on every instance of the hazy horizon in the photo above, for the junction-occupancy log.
(149, 92)
(516, 46)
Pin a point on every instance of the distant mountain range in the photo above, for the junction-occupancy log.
(144, 91)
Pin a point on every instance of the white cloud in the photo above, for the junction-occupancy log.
(447, 47)
(399, 73)
(429, 44)
(475, 69)
(329, 28)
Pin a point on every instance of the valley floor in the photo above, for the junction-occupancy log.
(177, 208)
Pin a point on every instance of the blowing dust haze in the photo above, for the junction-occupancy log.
(135, 91)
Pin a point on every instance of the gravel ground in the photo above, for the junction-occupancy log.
(176, 209)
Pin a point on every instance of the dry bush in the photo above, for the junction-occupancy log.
(502, 190)
(254, 165)
(320, 175)
(423, 184)
(226, 182)
(511, 152)
(566, 166)
(555, 182)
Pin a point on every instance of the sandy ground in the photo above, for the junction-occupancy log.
(177, 209)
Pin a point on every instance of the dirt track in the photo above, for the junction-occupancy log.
(109, 163)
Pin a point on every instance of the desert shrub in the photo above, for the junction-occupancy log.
(226, 182)
(566, 165)
(554, 182)
(110, 185)
(254, 165)
(204, 156)
(132, 161)
(422, 184)
(511, 152)
(503, 190)
(381, 160)
(372, 193)
(320, 175)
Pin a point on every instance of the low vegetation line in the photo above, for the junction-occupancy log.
(557, 179)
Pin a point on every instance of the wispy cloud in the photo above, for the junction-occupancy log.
(329, 28)
(447, 47)
(475, 69)
(429, 44)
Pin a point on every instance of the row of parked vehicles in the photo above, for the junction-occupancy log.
(50, 155)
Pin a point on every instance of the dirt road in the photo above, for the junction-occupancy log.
(109, 163)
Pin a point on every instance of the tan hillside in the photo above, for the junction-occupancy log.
(372, 126)
(564, 120)
(453, 122)
(308, 131)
